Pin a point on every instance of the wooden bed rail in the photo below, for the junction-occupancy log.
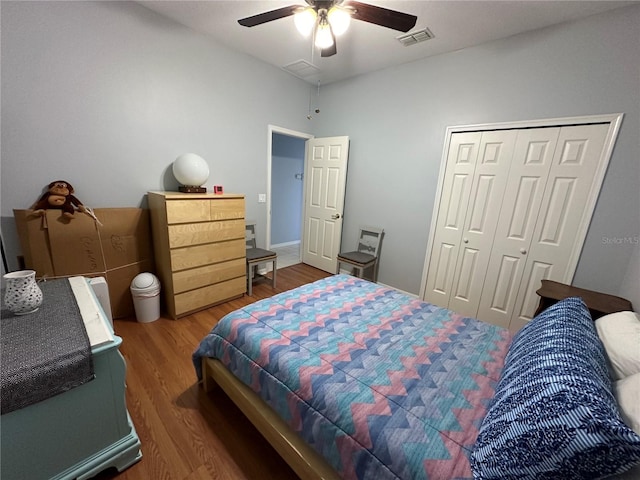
(302, 459)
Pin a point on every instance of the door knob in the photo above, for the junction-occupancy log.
(335, 216)
(523, 251)
(465, 240)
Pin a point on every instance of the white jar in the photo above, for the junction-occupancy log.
(23, 295)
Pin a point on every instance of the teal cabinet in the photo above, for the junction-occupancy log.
(77, 434)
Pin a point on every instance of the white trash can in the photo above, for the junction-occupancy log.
(145, 290)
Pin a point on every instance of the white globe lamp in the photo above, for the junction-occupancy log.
(192, 172)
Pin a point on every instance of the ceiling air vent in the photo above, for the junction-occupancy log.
(415, 37)
(302, 69)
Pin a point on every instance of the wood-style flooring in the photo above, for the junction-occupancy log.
(185, 433)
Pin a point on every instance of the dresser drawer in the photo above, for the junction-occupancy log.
(203, 210)
(202, 297)
(199, 255)
(185, 211)
(227, 208)
(186, 234)
(209, 274)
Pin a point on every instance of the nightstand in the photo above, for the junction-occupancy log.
(599, 304)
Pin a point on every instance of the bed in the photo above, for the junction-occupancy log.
(349, 379)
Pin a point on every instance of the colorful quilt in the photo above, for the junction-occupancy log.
(382, 385)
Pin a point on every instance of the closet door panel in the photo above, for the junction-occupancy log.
(456, 187)
(446, 258)
(527, 301)
(530, 166)
(562, 212)
(483, 211)
(503, 291)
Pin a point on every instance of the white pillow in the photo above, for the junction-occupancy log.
(620, 335)
(627, 392)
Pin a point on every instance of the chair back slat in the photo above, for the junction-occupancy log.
(366, 255)
(255, 256)
(250, 234)
(369, 240)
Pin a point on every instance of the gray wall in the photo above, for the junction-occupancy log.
(106, 95)
(630, 288)
(287, 161)
(396, 121)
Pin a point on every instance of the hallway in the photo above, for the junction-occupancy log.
(287, 255)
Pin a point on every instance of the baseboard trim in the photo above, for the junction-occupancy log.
(413, 295)
(285, 244)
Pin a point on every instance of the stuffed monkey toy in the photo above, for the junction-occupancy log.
(59, 195)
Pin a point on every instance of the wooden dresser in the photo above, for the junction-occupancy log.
(199, 243)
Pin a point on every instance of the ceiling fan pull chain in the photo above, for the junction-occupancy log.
(309, 116)
(318, 99)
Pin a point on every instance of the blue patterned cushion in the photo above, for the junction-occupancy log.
(553, 415)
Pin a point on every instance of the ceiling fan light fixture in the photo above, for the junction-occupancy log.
(339, 19)
(328, 18)
(305, 20)
(324, 37)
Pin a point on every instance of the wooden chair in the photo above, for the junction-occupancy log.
(256, 256)
(367, 253)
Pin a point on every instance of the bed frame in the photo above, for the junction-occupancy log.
(302, 459)
(305, 461)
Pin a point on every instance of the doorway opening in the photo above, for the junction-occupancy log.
(285, 193)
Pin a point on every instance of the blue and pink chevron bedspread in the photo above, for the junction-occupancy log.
(382, 385)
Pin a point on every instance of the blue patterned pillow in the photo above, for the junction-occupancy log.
(553, 415)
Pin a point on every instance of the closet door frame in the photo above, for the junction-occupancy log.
(614, 120)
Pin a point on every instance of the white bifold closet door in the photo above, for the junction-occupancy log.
(473, 185)
(512, 205)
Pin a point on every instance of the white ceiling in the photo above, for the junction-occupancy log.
(366, 47)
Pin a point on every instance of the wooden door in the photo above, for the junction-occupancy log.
(519, 210)
(456, 188)
(551, 184)
(555, 238)
(487, 193)
(325, 182)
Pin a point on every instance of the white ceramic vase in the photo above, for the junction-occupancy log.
(23, 295)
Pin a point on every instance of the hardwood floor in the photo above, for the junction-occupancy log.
(185, 433)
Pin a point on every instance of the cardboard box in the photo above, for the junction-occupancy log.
(118, 249)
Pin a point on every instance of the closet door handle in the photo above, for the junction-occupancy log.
(465, 240)
(335, 216)
(523, 251)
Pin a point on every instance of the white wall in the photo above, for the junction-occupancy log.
(630, 288)
(106, 95)
(396, 121)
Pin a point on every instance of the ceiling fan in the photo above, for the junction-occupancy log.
(330, 18)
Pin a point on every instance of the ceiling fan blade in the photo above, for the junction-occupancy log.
(268, 16)
(382, 16)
